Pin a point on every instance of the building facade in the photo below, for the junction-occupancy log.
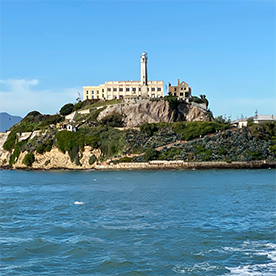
(182, 90)
(124, 89)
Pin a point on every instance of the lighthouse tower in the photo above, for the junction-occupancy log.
(144, 74)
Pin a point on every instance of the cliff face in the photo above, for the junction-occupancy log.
(56, 159)
(146, 111)
(4, 155)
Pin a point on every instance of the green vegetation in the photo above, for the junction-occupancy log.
(92, 159)
(95, 113)
(47, 146)
(151, 154)
(66, 109)
(10, 142)
(204, 141)
(114, 120)
(200, 100)
(173, 101)
(18, 148)
(125, 159)
(149, 129)
(29, 159)
(36, 121)
(190, 130)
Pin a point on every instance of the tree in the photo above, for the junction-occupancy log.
(66, 109)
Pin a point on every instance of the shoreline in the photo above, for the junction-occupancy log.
(164, 165)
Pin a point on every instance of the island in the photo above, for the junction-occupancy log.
(157, 133)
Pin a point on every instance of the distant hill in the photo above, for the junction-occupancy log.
(7, 121)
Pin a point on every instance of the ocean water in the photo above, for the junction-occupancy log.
(209, 222)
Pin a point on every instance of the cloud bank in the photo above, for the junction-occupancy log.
(20, 96)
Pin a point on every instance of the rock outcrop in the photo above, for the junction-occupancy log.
(146, 111)
(56, 159)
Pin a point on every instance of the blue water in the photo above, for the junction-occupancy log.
(213, 222)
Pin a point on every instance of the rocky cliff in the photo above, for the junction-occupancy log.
(146, 111)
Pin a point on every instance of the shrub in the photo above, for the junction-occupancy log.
(173, 102)
(14, 156)
(114, 120)
(149, 129)
(151, 154)
(47, 146)
(95, 113)
(29, 159)
(250, 122)
(78, 106)
(10, 142)
(74, 154)
(125, 159)
(92, 159)
(66, 109)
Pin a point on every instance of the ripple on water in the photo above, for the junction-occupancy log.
(138, 223)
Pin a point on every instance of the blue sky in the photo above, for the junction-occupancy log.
(223, 49)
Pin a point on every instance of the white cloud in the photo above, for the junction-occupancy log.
(20, 96)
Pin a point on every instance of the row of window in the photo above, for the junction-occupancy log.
(109, 96)
(182, 88)
(121, 89)
(181, 94)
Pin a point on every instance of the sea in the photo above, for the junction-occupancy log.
(190, 222)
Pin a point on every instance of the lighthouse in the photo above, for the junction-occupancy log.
(144, 74)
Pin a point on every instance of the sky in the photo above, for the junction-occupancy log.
(223, 49)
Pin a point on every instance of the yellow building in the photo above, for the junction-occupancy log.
(120, 89)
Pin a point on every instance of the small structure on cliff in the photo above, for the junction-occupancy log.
(182, 91)
(257, 119)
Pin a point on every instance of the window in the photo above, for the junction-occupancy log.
(139, 89)
(181, 88)
(127, 89)
(184, 88)
(133, 89)
(181, 93)
(174, 94)
(102, 95)
(175, 89)
(92, 91)
(152, 89)
(98, 97)
(86, 97)
(92, 97)
(120, 89)
(159, 89)
(102, 90)
(187, 94)
(114, 89)
(108, 89)
(86, 92)
(97, 91)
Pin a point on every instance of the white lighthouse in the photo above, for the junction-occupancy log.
(139, 89)
(144, 74)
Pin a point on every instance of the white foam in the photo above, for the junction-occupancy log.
(260, 249)
(78, 203)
